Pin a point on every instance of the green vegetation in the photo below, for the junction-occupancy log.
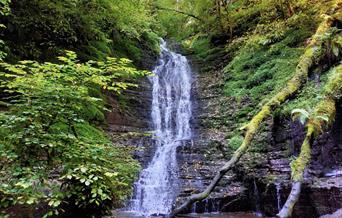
(316, 121)
(4, 11)
(264, 41)
(275, 58)
(42, 29)
(272, 50)
(51, 149)
(235, 142)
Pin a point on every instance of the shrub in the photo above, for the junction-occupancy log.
(50, 149)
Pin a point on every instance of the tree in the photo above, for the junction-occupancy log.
(51, 149)
(4, 11)
(315, 122)
(314, 52)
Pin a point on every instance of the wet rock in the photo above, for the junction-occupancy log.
(337, 214)
(130, 127)
(267, 164)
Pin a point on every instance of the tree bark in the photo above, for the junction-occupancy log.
(313, 53)
(287, 209)
(326, 107)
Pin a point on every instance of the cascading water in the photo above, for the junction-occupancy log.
(278, 189)
(157, 186)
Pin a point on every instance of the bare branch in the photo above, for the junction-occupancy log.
(178, 11)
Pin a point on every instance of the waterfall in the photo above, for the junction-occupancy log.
(278, 190)
(257, 199)
(157, 186)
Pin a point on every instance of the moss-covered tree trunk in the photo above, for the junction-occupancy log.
(325, 109)
(313, 53)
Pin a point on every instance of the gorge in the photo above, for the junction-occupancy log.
(236, 113)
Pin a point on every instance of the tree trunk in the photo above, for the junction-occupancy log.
(326, 107)
(179, 12)
(287, 209)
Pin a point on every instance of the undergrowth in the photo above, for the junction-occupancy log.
(52, 150)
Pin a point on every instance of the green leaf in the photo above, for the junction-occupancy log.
(335, 50)
(323, 117)
(300, 114)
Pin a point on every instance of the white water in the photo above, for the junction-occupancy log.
(334, 173)
(278, 189)
(157, 186)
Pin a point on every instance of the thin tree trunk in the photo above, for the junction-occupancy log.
(305, 157)
(313, 53)
(289, 7)
(326, 107)
(179, 12)
(293, 198)
(219, 14)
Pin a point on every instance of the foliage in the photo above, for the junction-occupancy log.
(262, 66)
(316, 120)
(235, 142)
(170, 22)
(324, 111)
(301, 114)
(4, 11)
(306, 99)
(42, 29)
(49, 149)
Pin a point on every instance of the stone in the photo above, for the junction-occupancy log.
(337, 214)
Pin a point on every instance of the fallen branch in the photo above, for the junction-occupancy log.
(321, 117)
(179, 12)
(313, 53)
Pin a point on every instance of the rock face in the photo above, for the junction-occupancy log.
(261, 180)
(199, 160)
(128, 122)
(322, 192)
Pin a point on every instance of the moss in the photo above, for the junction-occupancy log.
(334, 87)
(315, 125)
(267, 71)
(298, 166)
(311, 94)
(292, 86)
(307, 98)
(258, 71)
(235, 142)
(319, 119)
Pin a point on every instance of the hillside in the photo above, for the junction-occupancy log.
(83, 120)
